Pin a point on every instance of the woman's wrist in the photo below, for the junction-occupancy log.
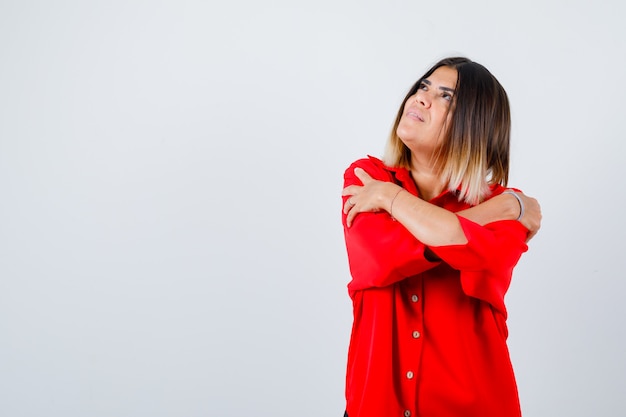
(395, 196)
(389, 196)
(507, 207)
(518, 205)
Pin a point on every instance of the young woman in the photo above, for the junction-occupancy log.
(432, 236)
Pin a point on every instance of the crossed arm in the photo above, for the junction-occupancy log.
(433, 225)
(474, 241)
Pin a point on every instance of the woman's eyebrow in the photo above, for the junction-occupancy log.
(427, 82)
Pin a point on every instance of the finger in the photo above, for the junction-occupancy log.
(362, 175)
(350, 217)
(348, 205)
(350, 190)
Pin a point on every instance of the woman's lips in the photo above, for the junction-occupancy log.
(414, 114)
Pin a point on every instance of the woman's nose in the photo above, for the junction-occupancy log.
(421, 98)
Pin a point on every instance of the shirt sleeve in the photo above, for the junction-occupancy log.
(381, 251)
(487, 260)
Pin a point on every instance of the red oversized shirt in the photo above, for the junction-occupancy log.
(429, 338)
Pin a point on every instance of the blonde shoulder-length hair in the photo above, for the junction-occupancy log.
(475, 150)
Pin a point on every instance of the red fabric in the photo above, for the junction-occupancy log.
(429, 339)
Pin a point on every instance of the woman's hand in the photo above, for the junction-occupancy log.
(506, 207)
(532, 215)
(371, 197)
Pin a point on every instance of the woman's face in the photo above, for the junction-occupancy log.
(425, 113)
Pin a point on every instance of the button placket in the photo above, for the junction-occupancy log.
(416, 334)
(413, 334)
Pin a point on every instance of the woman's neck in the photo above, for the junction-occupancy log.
(427, 178)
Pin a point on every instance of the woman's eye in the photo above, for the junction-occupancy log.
(447, 96)
(423, 86)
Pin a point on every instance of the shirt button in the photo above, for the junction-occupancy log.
(415, 298)
(409, 375)
(407, 413)
(416, 334)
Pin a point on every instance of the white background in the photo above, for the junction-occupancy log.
(170, 178)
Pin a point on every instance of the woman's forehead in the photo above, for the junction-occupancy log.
(443, 76)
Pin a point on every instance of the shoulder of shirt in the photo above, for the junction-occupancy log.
(377, 170)
(374, 167)
(371, 165)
